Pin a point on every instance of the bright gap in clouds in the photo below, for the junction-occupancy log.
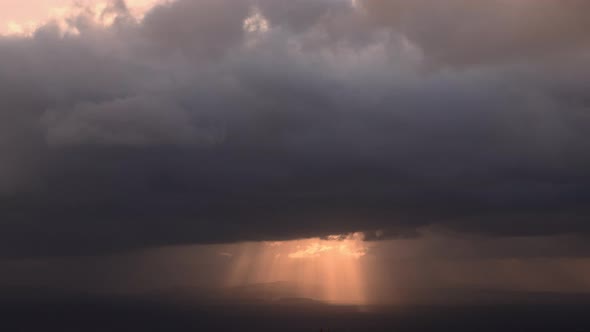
(330, 269)
(256, 23)
(23, 17)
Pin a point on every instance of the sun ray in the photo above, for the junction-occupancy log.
(327, 269)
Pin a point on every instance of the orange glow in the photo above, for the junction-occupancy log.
(23, 17)
(324, 269)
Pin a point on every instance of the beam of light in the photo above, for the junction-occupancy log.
(329, 269)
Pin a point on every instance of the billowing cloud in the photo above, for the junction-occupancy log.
(461, 32)
(187, 126)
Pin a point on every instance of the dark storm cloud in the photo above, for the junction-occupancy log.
(187, 128)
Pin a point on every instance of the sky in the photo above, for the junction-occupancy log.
(404, 144)
(24, 17)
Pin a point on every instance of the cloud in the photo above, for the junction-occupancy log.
(459, 32)
(134, 121)
(184, 127)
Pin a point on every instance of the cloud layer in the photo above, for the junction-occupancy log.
(221, 121)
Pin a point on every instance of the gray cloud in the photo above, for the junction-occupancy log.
(133, 121)
(185, 128)
(200, 29)
(460, 32)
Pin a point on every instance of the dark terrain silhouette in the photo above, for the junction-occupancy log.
(89, 313)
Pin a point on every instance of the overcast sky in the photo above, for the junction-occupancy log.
(220, 121)
(459, 129)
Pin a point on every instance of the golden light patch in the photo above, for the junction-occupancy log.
(329, 269)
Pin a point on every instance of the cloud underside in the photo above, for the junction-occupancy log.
(220, 121)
